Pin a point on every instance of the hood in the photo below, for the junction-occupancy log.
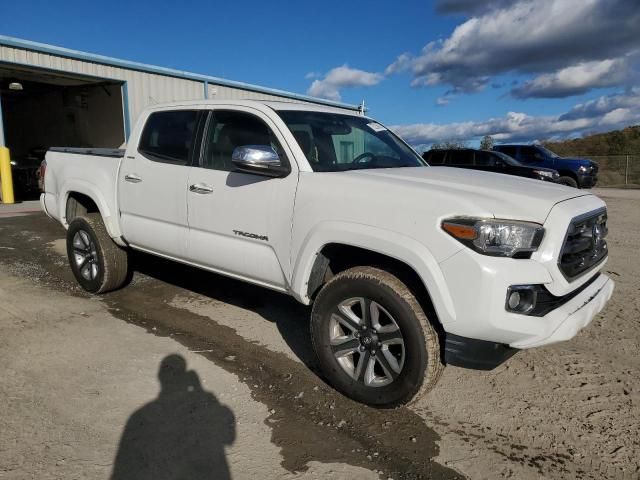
(471, 192)
(580, 161)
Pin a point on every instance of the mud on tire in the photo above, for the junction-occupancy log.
(98, 264)
(406, 351)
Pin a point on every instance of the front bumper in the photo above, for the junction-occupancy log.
(587, 180)
(478, 287)
(566, 321)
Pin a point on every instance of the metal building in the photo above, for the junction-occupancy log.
(53, 96)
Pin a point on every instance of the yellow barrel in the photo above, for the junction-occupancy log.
(6, 180)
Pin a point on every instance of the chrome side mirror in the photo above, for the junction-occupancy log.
(259, 159)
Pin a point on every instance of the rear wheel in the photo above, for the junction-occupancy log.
(98, 264)
(568, 181)
(373, 340)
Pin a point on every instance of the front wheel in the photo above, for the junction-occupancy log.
(568, 181)
(373, 340)
(98, 264)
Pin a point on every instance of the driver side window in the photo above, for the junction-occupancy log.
(529, 154)
(228, 130)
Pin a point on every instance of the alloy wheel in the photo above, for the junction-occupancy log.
(367, 342)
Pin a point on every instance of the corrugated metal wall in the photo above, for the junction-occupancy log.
(223, 92)
(144, 88)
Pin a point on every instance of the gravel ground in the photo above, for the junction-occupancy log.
(77, 367)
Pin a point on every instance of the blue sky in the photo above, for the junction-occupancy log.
(538, 59)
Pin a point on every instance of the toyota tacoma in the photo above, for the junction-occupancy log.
(408, 267)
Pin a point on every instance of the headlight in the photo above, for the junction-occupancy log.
(499, 238)
(544, 173)
(584, 169)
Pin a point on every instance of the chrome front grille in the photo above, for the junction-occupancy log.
(585, 245)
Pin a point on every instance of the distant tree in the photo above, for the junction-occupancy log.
(450, 145)
(486, 143)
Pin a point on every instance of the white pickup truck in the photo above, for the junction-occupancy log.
(408, 267)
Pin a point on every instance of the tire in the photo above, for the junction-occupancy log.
(568, 181)
(341, 343)
(98, 264)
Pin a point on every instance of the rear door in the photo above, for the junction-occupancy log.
(153, 183)
(486, 161)
(240, 223)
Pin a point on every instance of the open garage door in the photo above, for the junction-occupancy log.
(43, 109)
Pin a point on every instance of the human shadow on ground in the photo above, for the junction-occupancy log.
(182, 434)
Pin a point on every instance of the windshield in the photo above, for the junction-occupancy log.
(507, 159)
(548, 152)
(333, 142)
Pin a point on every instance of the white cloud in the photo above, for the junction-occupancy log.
(606, 113)
(442, 101)
(402, 63)
(607, 103)
(576, 79)
(526, 37)
(342, 77)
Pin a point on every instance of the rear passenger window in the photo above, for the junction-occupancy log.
(485, 159)
(460, 157)
(168, 136)
(435, 158)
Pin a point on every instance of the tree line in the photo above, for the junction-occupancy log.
(617, 142)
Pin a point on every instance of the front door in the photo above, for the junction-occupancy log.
(153, 184)
(240, 223)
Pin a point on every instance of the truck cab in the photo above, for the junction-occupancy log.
(574, 172)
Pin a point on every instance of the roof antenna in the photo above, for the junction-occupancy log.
(362, 109)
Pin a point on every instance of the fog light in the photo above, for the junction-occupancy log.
(514, 300)
(521, 299)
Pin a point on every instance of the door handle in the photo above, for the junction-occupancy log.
(200, 188)
(132, 178)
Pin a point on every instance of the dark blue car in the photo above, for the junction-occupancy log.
(574, 172)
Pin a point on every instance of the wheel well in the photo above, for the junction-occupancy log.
(336, 257)
(79, 204)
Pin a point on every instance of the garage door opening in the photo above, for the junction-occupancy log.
(46, 109)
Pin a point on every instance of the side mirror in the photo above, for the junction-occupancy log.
(259, 159)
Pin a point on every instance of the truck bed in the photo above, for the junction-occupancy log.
(87, 171)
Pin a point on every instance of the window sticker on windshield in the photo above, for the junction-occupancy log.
(376, 127)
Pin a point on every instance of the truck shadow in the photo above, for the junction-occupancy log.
(289, 316)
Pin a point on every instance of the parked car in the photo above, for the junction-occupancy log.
(406, 266)
(25, 171)
(487, 161)
(574, 172)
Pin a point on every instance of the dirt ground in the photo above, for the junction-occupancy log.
(202, 373)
